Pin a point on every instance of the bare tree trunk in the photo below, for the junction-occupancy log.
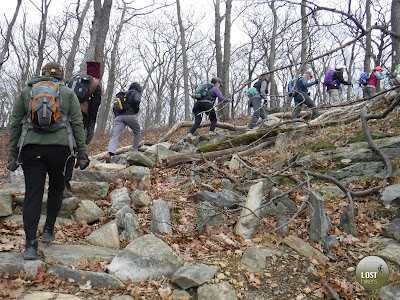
(98, 33)
(271, 60)
(41, 40)
(106, 104)
(69, 66)
(368, 42)
(304, 36)
(7, 39)
(396, 28)
(227, 58)
(217, 36)
(184, 61)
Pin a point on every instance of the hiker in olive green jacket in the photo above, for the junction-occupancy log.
(40, 151)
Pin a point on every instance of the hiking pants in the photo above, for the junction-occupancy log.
(201, 108)
(301, 99)
(334, 96)
(258, 111)
(370, 91)
(36, 162)
(120, 122)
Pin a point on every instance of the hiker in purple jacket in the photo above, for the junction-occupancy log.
(205, 105)
(333, 87)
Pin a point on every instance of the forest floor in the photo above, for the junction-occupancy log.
(288, 276)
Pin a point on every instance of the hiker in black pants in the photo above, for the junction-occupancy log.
(205, 105)
(302, 97)
(45, 149)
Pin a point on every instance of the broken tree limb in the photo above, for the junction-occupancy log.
(179, 125)
(365, 117)
(175, 160)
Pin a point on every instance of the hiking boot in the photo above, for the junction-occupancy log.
(107, 158)
(30, 252)
(47, 236)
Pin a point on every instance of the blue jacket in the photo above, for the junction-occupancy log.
(303, 85)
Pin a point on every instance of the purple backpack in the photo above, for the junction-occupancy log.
(328, 80)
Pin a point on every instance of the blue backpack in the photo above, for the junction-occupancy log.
(292, 87)
(328, 80)
(363, 79)
(202, 91)
(251, 92)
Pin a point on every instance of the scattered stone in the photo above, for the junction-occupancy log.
(136, 171)
(72, 255)
(192, 276)
(350, 269)
(390, 292)
(69, 205)
(207, 215)
(329, 241)
(319, 221)
(139, 159)
(291, 208)
(391, 252)
(161, 218)
(49, 296)
(218, 291)
(111, 167)
(145, 182)
(5, 204)
(106, 236)
(234, 163)
(144, 258)
(254, 259)
(140, 198)
(90, 190)
(392, 230)
(223, 239)
(281, 219)
(391, 195)
(14, 263)
(119, 198)
(180, 295)
(95, 279)
(126, 219)
(305, 249)
(88, 212)
(249, 217)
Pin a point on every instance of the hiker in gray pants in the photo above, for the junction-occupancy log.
(126, 117)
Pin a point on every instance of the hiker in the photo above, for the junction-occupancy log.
(332, 81)
(126, 109)
(370, 87)
(205, 105)
(88, 91)
(255, 100)
(43, 137)
(301, 95)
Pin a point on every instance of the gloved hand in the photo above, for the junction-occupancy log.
(12, 163)
(316, 81)
(82, 160)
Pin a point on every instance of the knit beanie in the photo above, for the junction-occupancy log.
(53, 69)
(93, 69)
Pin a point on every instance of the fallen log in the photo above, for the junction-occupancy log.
(178, 159)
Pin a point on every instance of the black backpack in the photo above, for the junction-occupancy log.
(120, 102)
(83, 86)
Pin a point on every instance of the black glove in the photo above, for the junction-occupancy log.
(316, 81)
(12, 163)
(82, 160)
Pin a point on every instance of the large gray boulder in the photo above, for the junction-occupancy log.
(144, 258)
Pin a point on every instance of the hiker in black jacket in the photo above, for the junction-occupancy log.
(333, 89)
